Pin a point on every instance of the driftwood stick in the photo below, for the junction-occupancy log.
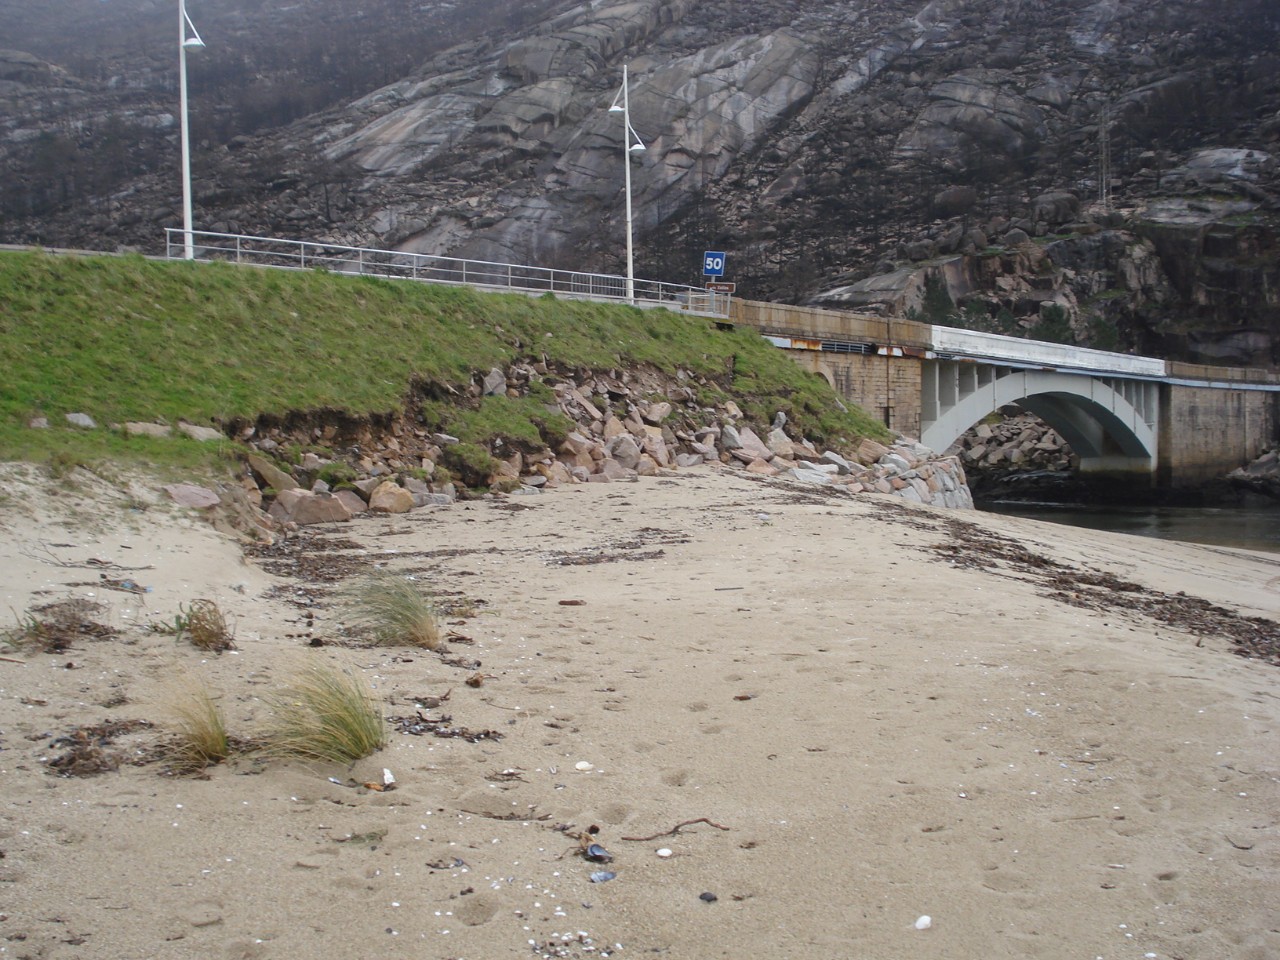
(12, 660)
(676, 829)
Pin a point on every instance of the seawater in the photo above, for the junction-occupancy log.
(1250, 527)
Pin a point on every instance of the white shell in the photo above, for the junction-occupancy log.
(664, 852)
(584, 765)
(924, 923)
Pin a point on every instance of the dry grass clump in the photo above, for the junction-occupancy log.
(53, 627)
(87, 750)
(392, 609)
(205, 625)
(200, 739)
(326, 715)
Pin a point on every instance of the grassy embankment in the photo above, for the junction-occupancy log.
(126, 339)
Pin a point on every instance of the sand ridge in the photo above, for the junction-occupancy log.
(885, 732)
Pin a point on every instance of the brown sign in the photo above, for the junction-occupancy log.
(721, 287)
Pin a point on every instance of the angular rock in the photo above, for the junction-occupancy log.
(271, 475)
(352, 501)
(390, 497)
(656, 447)
(780, 443)
(805, 475)
(761, 467)
(82, 420)
(754, 445)
(869, 452)
(895, 463)
(304, 507)
(495, 383)
(197, 432)
(655, 413)
(136, 428)
(843, 465)
(624, 450)
(191, 495)
(614, 470)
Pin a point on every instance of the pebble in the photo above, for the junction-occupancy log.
(584, 765)
(708, 897)
(664, 852)
(924, 923)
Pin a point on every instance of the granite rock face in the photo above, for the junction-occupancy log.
(842, 152)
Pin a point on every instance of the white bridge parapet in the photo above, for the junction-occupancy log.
(952, 343)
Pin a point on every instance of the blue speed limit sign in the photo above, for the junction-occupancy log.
(713, 263)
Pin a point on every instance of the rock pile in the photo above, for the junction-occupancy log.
(1020, 443)
(624, 425)
(1261, 476)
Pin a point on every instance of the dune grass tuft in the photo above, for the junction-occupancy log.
(326, 715)
(205, 625)
(201, 738)
(393, 610)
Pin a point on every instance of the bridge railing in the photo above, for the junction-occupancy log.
(427, 268)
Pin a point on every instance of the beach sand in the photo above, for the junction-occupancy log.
(876, 712)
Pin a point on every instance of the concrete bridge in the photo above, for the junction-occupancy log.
(1150, 422)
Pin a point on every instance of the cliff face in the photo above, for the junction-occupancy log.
(898, 155)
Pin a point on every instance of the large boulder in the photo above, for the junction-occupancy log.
(390, 497)
(304, 507)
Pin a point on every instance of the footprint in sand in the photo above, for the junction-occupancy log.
(1125, 827)
(203, 913)
(244, 950)
(614, 813)
(696, 707)
(676, 778)
(476, 909)
(1002, 880)
(1156, 803)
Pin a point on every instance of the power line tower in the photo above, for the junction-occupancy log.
(1104, 159)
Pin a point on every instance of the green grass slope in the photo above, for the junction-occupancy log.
(131, 339)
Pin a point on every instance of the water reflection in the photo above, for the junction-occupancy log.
(1253, 528)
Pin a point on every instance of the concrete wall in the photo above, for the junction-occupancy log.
(1206, 433)
(780, 319)
(888, 388)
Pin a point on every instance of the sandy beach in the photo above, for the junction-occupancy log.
(865, 712)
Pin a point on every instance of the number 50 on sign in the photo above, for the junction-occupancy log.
(713, 263)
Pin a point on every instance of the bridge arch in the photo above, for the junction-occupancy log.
(1110, 423)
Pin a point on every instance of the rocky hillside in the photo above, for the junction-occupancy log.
(940, 158)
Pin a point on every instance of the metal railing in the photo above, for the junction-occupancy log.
(425, 268)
